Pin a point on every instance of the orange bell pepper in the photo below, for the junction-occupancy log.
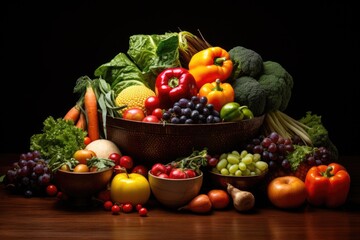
(327, 185)
(210, 64)
(217, 93)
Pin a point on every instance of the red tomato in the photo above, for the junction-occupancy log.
(126, 162)
(134, 113)
(143, 212)
(87, 140)
(157, 112)
(151, 103)
(127, 207)
(177, 173)
(141, 169)
(51, 190)
(158, 168)
(190, 173)
(115, 157)
(151, 118)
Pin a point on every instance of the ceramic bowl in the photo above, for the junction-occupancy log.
(175, 193)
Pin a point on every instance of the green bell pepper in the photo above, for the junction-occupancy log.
(233, 112)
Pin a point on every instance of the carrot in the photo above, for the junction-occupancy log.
(73, 114)
(81, 122)
(91, 108)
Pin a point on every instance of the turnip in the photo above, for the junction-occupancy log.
(242, 200)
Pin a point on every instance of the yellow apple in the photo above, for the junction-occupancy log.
(131, 188)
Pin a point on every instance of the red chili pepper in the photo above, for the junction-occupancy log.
(327, 185)
(173, 84)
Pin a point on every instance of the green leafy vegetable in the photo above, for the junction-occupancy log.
(154, 53)
(318, 133)
(298, 155)
(119, 69)
(58, 142)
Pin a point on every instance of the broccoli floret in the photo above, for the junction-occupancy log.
(249, 92)
(246, 62)
(277, 84)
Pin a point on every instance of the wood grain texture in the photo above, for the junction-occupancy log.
(45, 218)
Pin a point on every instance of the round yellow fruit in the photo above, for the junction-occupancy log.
(131, 188)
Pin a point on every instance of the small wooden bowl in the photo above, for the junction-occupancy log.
(240, 182)
(80, 187)
(175, 193)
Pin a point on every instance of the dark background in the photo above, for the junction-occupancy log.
(46, 47)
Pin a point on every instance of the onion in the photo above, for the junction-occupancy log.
(199, 204)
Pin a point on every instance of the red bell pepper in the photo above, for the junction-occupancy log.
(327, 185)
(173, 84)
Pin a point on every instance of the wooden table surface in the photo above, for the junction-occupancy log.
(46, 217)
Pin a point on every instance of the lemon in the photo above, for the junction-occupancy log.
(133, 96)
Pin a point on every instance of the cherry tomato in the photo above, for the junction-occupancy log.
(158, 168)
(108, 205)
(115, 157)
(127, 207)
(190, 173)
(51, 190)
(157, 112)
(143, 212)
(177, 173)
(81, 168)
(151, 103)
(151, 118)
(87, 140)
(138, 206)
(141, 169)
(115, 209)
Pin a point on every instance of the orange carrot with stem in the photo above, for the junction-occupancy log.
(74, 112)
(91, 108)
(81, 122)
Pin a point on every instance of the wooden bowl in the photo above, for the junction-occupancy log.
(240, 182)
(80, 187)
(175, 193)
(149, 143)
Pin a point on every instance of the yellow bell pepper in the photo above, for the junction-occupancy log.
(217, 93)
(210, 64)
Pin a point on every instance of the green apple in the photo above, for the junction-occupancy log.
(131, 188)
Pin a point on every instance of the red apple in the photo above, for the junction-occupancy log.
(287, 192)
(126, 162)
